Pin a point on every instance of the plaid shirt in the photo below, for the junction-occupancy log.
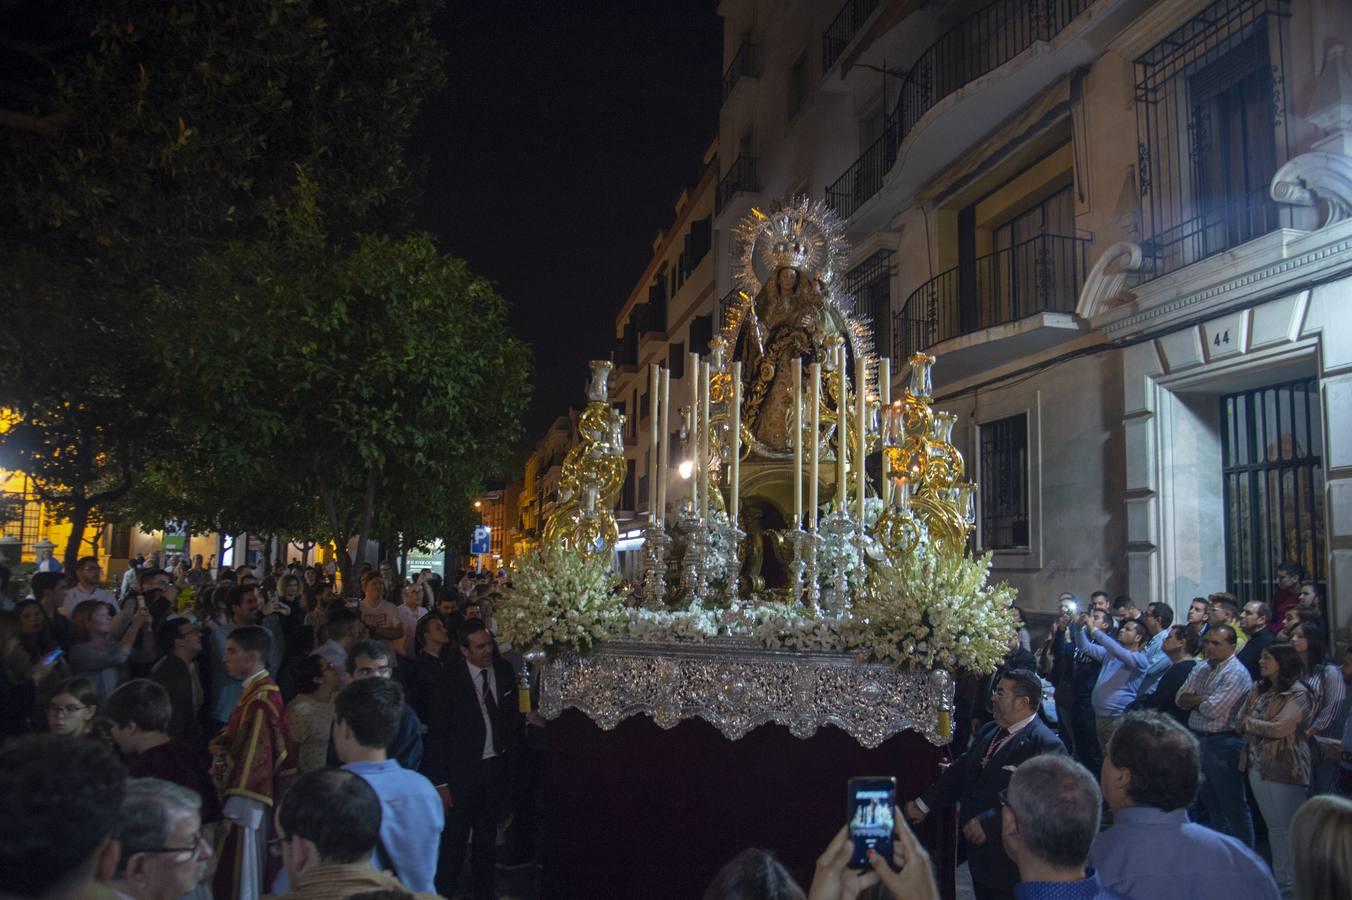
(1224, 687)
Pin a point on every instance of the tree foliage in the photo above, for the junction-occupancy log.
(151, 150)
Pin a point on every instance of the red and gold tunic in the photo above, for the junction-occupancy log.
(259, 762)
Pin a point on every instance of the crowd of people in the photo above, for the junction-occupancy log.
(206, 732)
(261, 735)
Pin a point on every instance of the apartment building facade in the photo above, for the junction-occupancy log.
(1122, 226)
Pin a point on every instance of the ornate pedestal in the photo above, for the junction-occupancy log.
(653, 805)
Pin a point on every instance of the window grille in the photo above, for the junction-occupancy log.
(1004, 483)
(1211, 131)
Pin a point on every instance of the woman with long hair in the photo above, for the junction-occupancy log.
(1325, 681)
(95, 654)
(35, 633)
(1274, 722)
(1321, 848)
(20, 675)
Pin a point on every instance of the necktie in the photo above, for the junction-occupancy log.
(1001, 738)
(492, 706)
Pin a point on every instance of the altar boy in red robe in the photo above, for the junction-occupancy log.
(254, 760)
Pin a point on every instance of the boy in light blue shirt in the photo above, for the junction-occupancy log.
(366, 717)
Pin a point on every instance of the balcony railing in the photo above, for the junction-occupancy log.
(974, 47)
(726, 305)
(1042, 274)
(741, 177)
(843, 29)
(745, 64)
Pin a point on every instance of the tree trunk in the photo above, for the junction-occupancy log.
(367, 513)
(79, 519)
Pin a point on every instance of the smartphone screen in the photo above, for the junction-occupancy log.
(871, 801)
(52, 657)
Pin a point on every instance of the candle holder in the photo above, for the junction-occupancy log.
(840, 562)
(694, 572)
(798, 540)
(722, 560)
(656, 542)
(811, 545)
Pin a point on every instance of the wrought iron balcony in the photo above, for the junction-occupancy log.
(843, 29)
(726, 305)
(745, 64)
(976, 46)
(740, 178)
(1042, 274)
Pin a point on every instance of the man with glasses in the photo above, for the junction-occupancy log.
(87, 575)
(164, 854)
(975, 780)
(371, 659)
(1214, 693)
(1223, 609)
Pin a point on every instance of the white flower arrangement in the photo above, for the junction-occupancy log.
(929, 611)
(562, 600)
(934, 611)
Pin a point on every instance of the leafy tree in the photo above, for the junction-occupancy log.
(142, 138)
(382, 385)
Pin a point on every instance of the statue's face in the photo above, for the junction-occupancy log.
(788, 279)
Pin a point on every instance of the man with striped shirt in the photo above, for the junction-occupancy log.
(1215, 692)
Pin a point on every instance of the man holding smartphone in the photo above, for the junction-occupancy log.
(976, 780)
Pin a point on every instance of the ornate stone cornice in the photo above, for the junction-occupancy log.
(1284, 260)
(1317, 179)
(1103, 284)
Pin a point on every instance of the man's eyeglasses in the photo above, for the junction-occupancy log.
(199, 843)
(369, 671)
(275, 845)
(56, 709)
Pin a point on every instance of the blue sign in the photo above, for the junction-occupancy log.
(482, 541)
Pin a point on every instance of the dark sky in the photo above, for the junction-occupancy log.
(557, 151)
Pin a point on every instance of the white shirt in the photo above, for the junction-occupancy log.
(483, 707)
(76, 595)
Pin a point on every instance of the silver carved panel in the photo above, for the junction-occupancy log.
(737, 685)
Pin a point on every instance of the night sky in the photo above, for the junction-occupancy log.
(558, 150)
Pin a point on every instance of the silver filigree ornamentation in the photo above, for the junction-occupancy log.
(736, 685)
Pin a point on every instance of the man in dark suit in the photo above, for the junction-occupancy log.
(975, 780)
(180, 642)
(474, 720)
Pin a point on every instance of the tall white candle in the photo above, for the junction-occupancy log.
(665, 459)
(842, 427)
(797, 443)
(704, 441)
(815, 450)
(692, 366)
(654, 380)
(885, 398)
(861, 430)
(736, 474)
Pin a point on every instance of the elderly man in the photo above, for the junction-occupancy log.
(163, 852)
(976, 779)
(1049, 821)
(1151, 769)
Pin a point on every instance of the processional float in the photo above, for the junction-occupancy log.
(814, 569)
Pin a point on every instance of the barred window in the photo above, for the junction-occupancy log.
(1211, 131)
(1004, 483)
